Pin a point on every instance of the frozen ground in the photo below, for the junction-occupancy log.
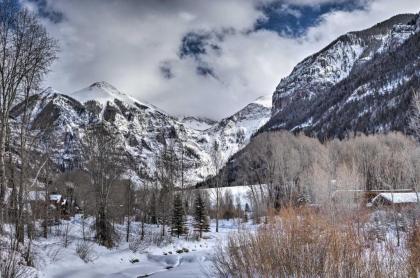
(55, 260)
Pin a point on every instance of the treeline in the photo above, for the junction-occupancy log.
(299, 169)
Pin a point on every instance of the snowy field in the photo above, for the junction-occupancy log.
(55, 260)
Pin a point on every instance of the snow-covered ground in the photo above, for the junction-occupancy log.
(55, 260)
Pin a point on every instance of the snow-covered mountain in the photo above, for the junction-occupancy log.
(143, 128)
(361, 82)
(197, 123)
(234, 132)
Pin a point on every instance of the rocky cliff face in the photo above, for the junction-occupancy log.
(143, 128)
(361, 82)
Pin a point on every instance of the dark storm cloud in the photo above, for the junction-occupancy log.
(294, 19)
(193, 44)
(45, 10)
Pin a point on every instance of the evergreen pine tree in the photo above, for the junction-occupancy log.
(245, 217)
(201, 223)
(178, 218)
(246, 211)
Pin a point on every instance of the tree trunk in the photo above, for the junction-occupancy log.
(83, 227)
(142, 228)
(128, 212)
(103, 229)
(3, 126)
(217, 210)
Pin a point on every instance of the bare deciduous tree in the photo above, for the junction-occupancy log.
(26, 52)
(105, 164)
(167, 174)
(218, 177)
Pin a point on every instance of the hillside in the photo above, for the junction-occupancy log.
(361, 82)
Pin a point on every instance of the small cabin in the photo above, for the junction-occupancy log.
(363, 197)
(400, 199)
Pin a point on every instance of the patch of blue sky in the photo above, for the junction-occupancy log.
(294, 20)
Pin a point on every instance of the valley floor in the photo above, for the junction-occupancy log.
(55, 260)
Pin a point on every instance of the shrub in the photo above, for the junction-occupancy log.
(413, 245)
(151, 237)
(84, 251)
(300, 243)
(192, 236)
(138, 245)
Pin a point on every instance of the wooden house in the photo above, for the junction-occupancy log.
(399, 199)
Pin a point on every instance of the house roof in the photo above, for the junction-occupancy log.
(398, 198)
(55, 197)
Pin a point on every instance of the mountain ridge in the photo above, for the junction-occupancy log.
(324, 76)
(143, 129)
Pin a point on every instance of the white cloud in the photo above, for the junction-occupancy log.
(125, 43)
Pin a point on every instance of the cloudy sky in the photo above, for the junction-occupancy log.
(197, 57)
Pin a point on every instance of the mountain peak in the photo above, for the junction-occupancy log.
(106, 88)
(103, 84)
(265, 101)
(102, 92)
(386, 25)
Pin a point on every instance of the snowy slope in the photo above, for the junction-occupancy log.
(234, 132)
(101, 92)
(354, 83)
(196, 122)
(143, 128)
(265, 101)
(332, 64)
